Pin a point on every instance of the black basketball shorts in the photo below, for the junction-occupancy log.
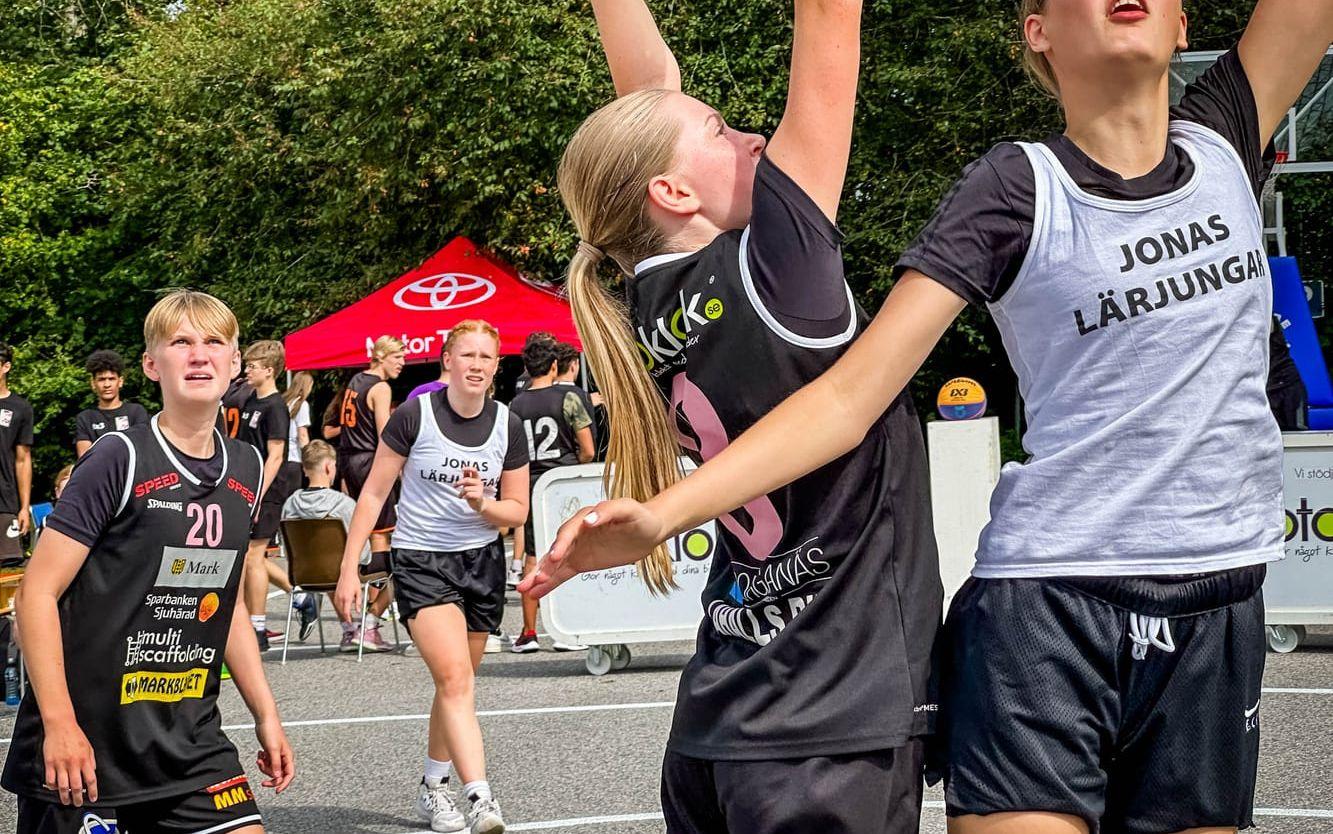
(1132, 703)
(859, 793)
(11, 541)
(472, 579)
(355, 469)
(217, 809)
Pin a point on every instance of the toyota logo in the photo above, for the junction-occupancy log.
(447, 291)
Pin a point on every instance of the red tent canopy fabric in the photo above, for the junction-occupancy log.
(456, 283)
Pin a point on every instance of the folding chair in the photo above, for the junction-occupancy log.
(314, 561)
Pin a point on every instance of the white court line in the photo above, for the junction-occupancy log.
(1285, 691)
(936, 805)
(485, 713)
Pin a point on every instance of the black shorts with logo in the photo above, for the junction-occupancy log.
(1131, 702)
(472, 579)
(355, 469)
(217, 809)
(860, 793)
(11, 541)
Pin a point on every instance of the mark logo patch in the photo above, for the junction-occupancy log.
(162, 687)
(194, 567)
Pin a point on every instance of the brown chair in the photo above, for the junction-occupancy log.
(314, 560)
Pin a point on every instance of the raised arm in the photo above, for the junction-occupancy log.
(1280, 50)
(817, 424)
(814, 139)
(639, 58)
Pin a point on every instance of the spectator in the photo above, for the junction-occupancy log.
(106, 373)
(319, 460)
(16, 424)
(263, 424)
(569, 364)
(296, 398)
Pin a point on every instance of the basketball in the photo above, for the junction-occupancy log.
(961, 399)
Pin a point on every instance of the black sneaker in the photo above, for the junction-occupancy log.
(526, 643)
(309, 616)
(261, 635)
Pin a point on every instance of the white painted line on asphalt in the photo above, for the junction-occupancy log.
(1303, 813)
(1287, 691)
(486, 713)
(930, 804)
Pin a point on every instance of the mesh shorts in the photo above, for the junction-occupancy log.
(1133, 706)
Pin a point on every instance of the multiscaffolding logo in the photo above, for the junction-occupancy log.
(447, 291)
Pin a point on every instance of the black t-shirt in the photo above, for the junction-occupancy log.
(404, 424)
(550, 435)
(358, 433)
(16, 424)
(978, 238)
(824, 596)
(145, 621)
(264, 419)
(92, 423)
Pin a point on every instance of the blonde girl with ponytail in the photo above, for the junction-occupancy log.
(706, 286)
(1102, 668)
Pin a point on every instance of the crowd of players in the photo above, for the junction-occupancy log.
(311, 477)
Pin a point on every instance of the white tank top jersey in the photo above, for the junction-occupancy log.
(1139, 334)
(431, 516)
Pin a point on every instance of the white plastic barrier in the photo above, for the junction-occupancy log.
(964, 469)
(1299, 589)
(609, 609)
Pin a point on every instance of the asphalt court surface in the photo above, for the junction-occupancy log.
(569, 752)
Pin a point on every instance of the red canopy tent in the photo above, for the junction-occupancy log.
(458, 282)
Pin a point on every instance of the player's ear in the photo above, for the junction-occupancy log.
(150, 367)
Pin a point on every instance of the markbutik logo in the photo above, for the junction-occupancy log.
(446, 291)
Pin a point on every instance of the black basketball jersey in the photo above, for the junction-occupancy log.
(825, 595)
(551, 440)
(233, 405)
(145, 625)
(357, 420)
(264, 419)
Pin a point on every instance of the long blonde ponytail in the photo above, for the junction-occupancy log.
(603, 182)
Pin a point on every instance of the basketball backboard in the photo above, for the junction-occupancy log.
(1305, 139)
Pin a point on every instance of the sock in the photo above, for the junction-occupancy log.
(437, 771)
(259, 622)
(476, 791)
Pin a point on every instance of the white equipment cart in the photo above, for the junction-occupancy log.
(1299, 589)
(609, 610)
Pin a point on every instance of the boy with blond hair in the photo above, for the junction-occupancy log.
(132, 602)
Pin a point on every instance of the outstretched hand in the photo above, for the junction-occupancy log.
(609, 535)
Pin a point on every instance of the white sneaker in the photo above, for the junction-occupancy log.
(496, 642)
(562, 646)
(484, 817)
(436, 805)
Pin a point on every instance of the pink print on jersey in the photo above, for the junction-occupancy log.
(766, 532)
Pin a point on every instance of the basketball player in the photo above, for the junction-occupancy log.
(1124, 263)
(559, 433)
(130, 605)
(803, 707)
(16, 437)
(464, 467)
